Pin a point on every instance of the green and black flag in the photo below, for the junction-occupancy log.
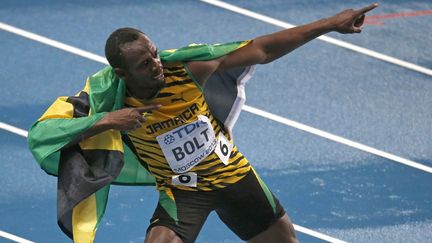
(85, 171)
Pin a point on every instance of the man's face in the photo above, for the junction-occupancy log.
(143, 72)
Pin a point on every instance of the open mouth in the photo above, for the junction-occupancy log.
(159, 77)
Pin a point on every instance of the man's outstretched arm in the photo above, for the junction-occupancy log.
(267, 48)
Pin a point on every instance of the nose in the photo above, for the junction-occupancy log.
(156, 64)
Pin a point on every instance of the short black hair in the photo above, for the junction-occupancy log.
(114, 42)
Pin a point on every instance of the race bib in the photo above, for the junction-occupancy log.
(187, 145)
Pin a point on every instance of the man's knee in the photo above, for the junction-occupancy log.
(286, 228)
(281, 231)
(162, 234)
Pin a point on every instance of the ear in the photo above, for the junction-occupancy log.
(121, 73)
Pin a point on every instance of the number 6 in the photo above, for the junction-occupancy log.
(224, 148)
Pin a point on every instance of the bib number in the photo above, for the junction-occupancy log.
(187, 179)
(223, 149)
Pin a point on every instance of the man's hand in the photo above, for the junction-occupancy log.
(350, 21)
(127, 119)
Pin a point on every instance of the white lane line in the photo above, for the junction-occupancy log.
(13, 129)
(317, 234)
(330, 40)
(336, 138)
(14, 237)
(53, 43)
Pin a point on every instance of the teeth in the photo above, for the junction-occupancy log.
(160, 76)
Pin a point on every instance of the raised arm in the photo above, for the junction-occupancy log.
(267, 48)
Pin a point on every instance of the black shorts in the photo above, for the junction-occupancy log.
(246, 207)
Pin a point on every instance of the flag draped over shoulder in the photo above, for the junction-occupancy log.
(85, 171)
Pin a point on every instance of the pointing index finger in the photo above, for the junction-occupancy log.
(367, 8)
(148, 108)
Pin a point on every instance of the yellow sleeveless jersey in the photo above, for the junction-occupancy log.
(184, 108)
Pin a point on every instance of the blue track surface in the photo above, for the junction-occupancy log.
(325, 186)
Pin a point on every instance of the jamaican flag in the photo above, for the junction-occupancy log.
(85, 171)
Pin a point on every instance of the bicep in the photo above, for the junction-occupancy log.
(251, 54)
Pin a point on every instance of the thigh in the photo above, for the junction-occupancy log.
(248, 207)
(183, 212)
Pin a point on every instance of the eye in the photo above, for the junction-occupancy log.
(144, 63)
(156, 54)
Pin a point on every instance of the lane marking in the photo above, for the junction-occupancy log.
(376, 19)
(327, 39)
(336, 138)
(13, 129)
(317, 234)
(14, 237)
(400, 15)
(53, 43)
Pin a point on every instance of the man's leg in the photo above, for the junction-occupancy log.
(162, 234)
(281, 231)
(179, 216)
(253, 213)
